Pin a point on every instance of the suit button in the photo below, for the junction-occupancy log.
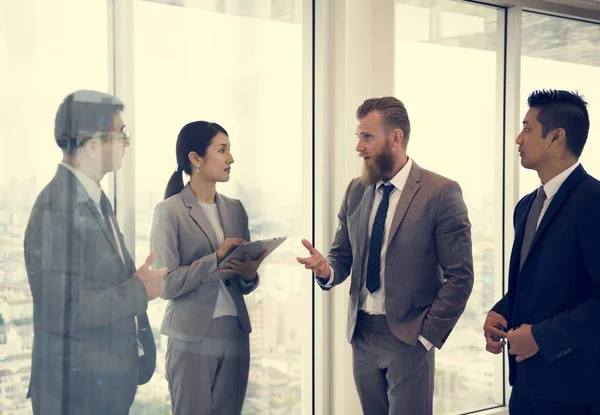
(228, 283)
(569, 350)
(133, 340)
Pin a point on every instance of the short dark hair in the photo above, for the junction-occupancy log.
(81, 114)
(562, 109)
(393, 111)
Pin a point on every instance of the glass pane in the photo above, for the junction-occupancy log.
(245, 73)
(559, 53)
(447, 56)
(42, 59)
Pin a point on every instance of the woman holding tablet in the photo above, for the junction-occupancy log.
(206, 319)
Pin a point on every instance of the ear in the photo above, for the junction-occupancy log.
(397, 137)
(557, 136)
(91, 147)
(194, 157)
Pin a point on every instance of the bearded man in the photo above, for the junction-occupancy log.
(404, 236)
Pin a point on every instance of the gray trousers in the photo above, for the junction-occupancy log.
(391, 377)
(210, 376)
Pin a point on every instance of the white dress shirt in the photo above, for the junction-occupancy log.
(225, 305)
(374, 303)
(94, 190)
(552, 187)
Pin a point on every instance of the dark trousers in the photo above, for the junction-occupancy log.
(391, 377)
(84, 394)
(523, 403)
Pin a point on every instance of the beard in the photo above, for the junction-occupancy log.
(380, 168)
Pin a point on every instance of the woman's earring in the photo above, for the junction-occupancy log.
(198, 168)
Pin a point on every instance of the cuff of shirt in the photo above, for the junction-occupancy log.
(428, 345)
(249, 283)
(329, 283)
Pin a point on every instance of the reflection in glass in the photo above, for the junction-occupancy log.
(559, 53)
(446, 74)
(238, 64)
(40, 62)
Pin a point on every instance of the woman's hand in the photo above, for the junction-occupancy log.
(246, 268)
(229, 245)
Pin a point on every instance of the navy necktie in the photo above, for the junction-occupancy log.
(374, 262)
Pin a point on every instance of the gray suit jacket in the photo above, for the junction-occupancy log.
(84, 303)
(185, 242)
(429, 261)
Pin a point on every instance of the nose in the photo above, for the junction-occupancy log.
(360, 147)
(231, 160)
(519, 139)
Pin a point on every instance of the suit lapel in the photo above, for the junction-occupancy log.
(411, 188)
(198, 216)
(226, 216)
(100, 221)
(129, 262)
(82, 197)
(363, 223)
(556, 202)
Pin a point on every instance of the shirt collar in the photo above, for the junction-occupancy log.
(91, 187)
(554, 184)
(399, 180)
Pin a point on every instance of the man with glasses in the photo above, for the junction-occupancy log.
(92, 340)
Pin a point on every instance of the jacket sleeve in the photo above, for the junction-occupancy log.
(569, 330)
(454, 251)
(340, 253)
(56, 269)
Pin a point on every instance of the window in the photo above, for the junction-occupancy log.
(559, 53)
(240, 64)
(446, 73)
(41, 61)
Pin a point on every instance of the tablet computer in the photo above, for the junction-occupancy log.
(254, 249)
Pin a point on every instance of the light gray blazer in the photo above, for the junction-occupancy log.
(429, 260)
(185, 242)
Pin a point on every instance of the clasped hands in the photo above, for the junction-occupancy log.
(521, 342)
(247, 269)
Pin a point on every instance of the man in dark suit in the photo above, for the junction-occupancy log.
(92, 340)
(550, 315)
(405, 238)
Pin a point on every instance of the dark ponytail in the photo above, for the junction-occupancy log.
(193, 137)
(175, 184)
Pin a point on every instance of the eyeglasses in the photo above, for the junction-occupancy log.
(123, 134)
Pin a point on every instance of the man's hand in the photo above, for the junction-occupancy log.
(246, 268)
(229, 244)
(315, 262)
(152, 279)
(494, 332)
(522, 343)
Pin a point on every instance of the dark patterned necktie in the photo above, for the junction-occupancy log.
(108, 213)
(374, 262)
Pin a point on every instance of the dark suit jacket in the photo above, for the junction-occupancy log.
(558, 292)
(429, 261)
(84, 303)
